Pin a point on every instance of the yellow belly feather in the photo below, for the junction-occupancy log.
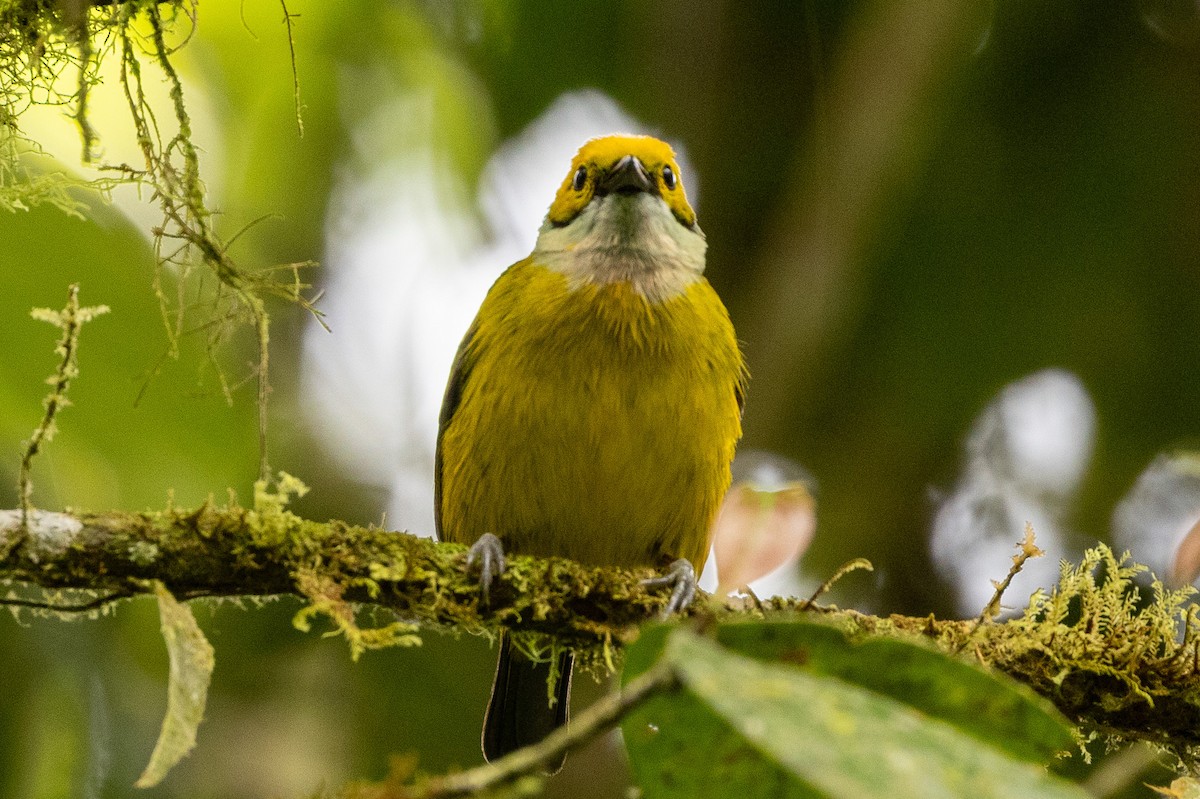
(593, 424)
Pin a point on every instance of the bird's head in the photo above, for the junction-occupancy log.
(621, 214)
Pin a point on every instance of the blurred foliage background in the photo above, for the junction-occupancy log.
(907, 209)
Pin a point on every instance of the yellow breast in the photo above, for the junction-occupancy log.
(592, 423)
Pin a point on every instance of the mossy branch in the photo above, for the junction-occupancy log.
(236, 552)
(1112, 661)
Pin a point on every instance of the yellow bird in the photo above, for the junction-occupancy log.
(594, 405)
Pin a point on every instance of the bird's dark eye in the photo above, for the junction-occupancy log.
(580, 179)
(669, 177)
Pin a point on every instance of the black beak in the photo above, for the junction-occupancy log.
(626, 177)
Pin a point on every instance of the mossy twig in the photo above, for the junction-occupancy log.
(287, 20)
(70, 320)
(857, 564)
(1027, 549)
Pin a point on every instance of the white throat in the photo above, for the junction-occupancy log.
(631, 239)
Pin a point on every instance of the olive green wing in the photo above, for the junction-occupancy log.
(469, 354)
(460, 372)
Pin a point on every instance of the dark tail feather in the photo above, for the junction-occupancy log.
(519, 712)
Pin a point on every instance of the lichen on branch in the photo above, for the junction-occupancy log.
(231, 551)
(1106, 649)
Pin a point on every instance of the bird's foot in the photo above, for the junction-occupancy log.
(489, 553)
(681, 576)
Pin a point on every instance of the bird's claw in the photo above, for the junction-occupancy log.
(489, 553)
(681, 576)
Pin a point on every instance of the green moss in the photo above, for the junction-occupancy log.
(1114, 650)
(143, 553)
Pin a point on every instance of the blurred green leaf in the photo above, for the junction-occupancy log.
(113, 450)
(744, 727)
(191, 670)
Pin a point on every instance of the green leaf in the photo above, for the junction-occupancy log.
(988, 705)
(741, 727)
(191, 668)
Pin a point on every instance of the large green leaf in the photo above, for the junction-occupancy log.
(745, 727)
(990, 706)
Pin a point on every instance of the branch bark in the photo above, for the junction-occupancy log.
(1108, 664)
(233, 551)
